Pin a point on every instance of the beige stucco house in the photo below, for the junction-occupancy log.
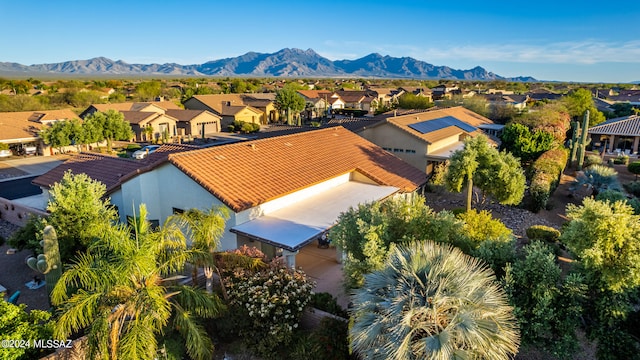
(20, 129)
(282, 192)
(161, 125)
(228, 107)
(426, 138)
(196, 123)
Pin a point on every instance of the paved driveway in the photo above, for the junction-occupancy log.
(29, 166)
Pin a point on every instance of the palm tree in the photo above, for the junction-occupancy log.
(432, 302)
(204, 229)
(123, 293)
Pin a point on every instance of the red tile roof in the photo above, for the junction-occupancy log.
(246, 174)
(109, 170)
(27, 124)
(467, 116)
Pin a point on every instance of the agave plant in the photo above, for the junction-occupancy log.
(599, 178)
(432, 302)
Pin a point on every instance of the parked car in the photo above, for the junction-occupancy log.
(142, 153)
(5, 153)
(30, 150)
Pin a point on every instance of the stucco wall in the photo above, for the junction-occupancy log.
(166, 188)
(390, 137)
(17, 214)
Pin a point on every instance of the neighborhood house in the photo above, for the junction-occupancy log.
(282, 192)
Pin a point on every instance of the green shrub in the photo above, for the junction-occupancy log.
(274, 298)
(437, 181)
(633, 188)
(615, 195)
(634, 168)
(544, 233)
(546, 171)
(332, 340)
(315, 124)
(592, 160)
(133, 147)
(327, 302)
(4, 146)
(621, 160)
(486, 238)
(29, 236)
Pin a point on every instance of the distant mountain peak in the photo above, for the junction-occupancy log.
(287, 62)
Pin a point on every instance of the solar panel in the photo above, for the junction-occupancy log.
(428, 126)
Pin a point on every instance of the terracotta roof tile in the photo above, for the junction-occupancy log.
(137, 117)
(187, 115)
(217, 101)
(460, 113)
(27, 124)
(109, 170)
(246, 174)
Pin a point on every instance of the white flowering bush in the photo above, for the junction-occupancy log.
(274, 299)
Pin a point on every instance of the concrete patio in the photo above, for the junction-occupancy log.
(321, 266)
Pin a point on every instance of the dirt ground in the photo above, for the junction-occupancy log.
(14, 274)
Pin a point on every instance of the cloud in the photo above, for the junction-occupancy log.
(568, 52)
(584, 52)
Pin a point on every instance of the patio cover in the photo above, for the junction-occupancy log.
(296, 225)
(445, 152)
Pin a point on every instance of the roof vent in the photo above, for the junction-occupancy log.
(253, 146)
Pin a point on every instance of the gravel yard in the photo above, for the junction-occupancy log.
(14, 273)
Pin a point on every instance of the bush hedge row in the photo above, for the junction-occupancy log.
(547, 170)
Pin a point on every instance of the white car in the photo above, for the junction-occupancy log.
(142, 153)
(5, 153)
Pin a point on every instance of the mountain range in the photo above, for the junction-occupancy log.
(283, 63)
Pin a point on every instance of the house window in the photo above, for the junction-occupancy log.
(177, 211)
(398, 150)
(409, 151)
(154, 224)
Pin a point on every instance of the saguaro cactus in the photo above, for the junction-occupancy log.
(584, 140)
(48, 263)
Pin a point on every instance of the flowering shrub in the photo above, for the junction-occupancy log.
(274, 299)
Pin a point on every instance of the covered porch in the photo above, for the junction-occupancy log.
(620, 135)
(285, 231)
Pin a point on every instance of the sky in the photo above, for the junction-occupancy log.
(582, 41)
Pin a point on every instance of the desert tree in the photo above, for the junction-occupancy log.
(496, 174)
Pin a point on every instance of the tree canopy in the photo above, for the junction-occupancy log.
(109, 125)
(122, 294)
(79, 212)
(16, 324)
(548, 306)
(578, 102)
(604, 236)
(525, 144)
(289, 101)
(496, 174)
